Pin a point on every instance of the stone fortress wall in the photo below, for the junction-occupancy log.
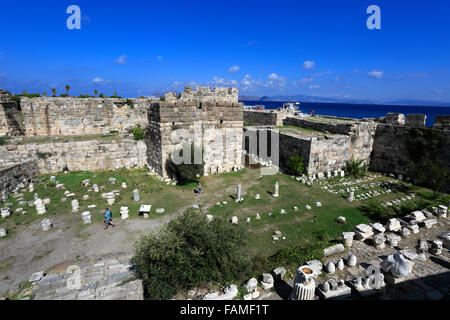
(81, 116)
(323, 152)
(390, 151)
(381, 144)
(88, 155)
(13, 175)
(10, 121)
(218, 122)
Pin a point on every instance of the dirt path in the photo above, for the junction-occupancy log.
(30, 249)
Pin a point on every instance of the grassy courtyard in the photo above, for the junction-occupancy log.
(297, 227)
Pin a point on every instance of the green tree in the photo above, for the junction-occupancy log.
(296, 165)
(54, 92)
(95, 92)
(67, 87)
(355, 168)
(189, 251)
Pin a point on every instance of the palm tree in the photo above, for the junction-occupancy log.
(54, 92)
(115, 93)
(67, 88)
(95, 92)
(44, 94)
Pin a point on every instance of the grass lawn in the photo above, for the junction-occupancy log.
(298, 227)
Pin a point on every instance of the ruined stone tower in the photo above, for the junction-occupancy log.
(214, 118)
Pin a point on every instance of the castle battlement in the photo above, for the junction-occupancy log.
(221, 94)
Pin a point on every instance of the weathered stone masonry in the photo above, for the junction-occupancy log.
(77, 156)
(11, 176)
(167, 120)
(81, 116)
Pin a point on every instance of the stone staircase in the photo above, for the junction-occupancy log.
(104, 280)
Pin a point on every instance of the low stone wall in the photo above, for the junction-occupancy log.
(77, 156)
(337, 128)
(81, 116)
(415, 120)
(262, 118)
(11, 176)
(442, 122)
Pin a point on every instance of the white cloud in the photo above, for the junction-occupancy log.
(376, 74)
(308, 65)
(159, 58)
(98, 80)
(314, 86)
(275, 81)
(321, 74)
(234, 69)
(122, 59)
(222, 82)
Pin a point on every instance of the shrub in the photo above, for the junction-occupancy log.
(188, 251)
(375, 211)
(355, 168)
(186, 172)
(44, 155)
(296, 165)
(4, 141)
(295, 256)
(138, 133)
(130, 103)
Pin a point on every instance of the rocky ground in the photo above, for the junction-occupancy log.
(32, 250)
(429, 279)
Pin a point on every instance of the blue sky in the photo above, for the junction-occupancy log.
(320, 48)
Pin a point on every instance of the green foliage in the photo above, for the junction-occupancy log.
(138, 133)
(101, 95)
(84, 96)
(296, 165)
(186, 172)
(295, 256)
(188, 251)
(375, 211)
(44, 155)
(162, 98)
(130, 103)
(355, 168)
(64, 95)
(4, 141)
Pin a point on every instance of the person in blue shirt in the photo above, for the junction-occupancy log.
(108, 219)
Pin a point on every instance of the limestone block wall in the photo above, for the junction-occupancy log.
(415, 120)
(263, 118)
(337, 128)
(3, 125)
(77, 156)
(217, 124)
(390, 150)
(206, 94)
(11, 176)
(323, 153)
(442, 122)
(80, 116)
(10, 120)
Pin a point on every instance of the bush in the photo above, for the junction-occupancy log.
(295, 256)
(355, 168)
(186, 172)
(4, 141)
(296, 165)
(130, 103)
(138, 133)
(375, 211)
(187, 252)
